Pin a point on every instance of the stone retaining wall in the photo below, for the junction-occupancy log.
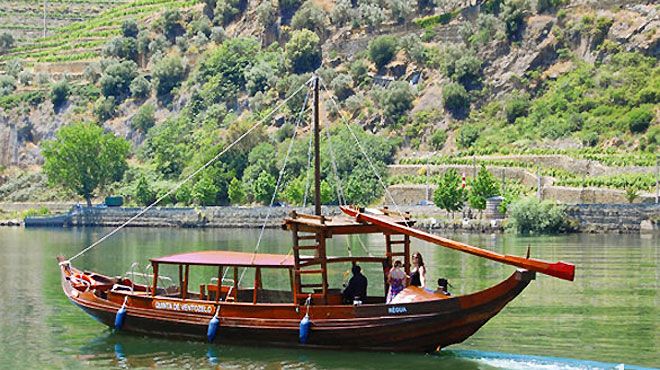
(620, 218)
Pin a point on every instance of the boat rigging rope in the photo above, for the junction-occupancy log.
(200, 169)
(278, 183)
(364, 153)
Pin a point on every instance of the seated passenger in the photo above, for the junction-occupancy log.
(357, 286)
(442, 287)
(396, 280)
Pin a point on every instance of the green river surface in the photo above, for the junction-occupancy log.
(609, 317)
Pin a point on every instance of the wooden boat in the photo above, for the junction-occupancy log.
(309, 312)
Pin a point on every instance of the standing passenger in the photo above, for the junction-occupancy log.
(396, 280)
(418, 274)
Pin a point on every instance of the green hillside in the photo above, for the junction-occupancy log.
(181, 79)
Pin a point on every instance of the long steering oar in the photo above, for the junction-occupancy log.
(562, 270)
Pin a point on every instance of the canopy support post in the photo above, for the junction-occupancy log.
(155, 282)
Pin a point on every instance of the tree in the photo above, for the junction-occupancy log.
(264, 187)
(513, 14)
(168, 74)
(342, 85)
(59, 94)
(169, 24)
(117, 78)
(438, 139)
(144, 119)
(382, 50)
(6, 42)
(450, 194)
(129, 28)
(7, 85)
(140, 87)
(483, 187)
(303, 51)
(311, 17)
(401, 10)
(455, 98)
(122, 48)
(236, 192)
(204, 192)
(396, 100)
(83, 159)
(143, 193)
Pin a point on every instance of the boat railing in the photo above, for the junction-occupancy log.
(214, 280)
(162, 279)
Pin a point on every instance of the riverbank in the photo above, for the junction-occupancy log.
(587, 218)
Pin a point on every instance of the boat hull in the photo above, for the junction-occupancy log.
(416, 326)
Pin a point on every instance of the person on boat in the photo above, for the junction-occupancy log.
(357, 286)
(442, 287)
(396, 279)
(418, 273)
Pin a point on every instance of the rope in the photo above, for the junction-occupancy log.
(364, 153)
(177, 186)
(277, 185)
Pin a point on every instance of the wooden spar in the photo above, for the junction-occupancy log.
(562, 270)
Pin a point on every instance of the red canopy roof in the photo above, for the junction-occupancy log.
(227, 258)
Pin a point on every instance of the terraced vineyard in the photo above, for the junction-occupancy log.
(86, 25)
(24, 18)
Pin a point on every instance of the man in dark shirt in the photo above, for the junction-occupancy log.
(357, 286)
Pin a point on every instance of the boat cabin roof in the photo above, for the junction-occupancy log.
(227, 258)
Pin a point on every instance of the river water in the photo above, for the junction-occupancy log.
(609, 317)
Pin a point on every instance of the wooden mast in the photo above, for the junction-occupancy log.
(317, 156)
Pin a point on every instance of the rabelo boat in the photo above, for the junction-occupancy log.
(309, 313)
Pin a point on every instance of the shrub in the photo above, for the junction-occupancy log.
(236, 192)
(467, 135)
(117, 78)
(6, 42)
(260, 77)
(168, 74)
(342, 12)
(382, 50)
(516, 106)
(59, 94)
(396, 100)
(438, 139)
(169, 24)
(14, 67)
(639, 119)
(303, 51)
(513, 14)
(143, 193)
(122, 48)
(455, 98)
(129, 28)
(104, 108)
(543, 6)
(401, 10)
(311, 17)
(414, 49)
(144, 119)
(342, 85)
(7, 85)
(529, 215)
(359, 72)
(140, 87)
(25, 78)
(371, 15)
(267, 14)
